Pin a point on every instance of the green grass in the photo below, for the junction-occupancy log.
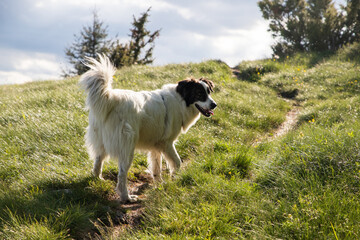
(304, 185)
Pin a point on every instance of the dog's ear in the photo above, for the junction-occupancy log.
(209, 83)
(185, 89)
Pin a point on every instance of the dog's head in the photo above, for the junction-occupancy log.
(197, 92)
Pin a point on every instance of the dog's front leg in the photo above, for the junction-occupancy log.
(172, 158)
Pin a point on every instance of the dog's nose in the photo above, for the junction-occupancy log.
(213, 105)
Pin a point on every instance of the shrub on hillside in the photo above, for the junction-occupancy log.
(350, 52)
(252, 72)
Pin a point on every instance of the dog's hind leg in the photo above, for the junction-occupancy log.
(154, 160)
(127, 139)
(172, 158)
(121, 188)
(98, 164)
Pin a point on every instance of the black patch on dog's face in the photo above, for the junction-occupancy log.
(191, 90)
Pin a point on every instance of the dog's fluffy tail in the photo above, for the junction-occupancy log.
(97, 83)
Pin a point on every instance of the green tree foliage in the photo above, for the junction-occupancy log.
(311, 25)
(91, 41)
(352, 22)
(141, 46)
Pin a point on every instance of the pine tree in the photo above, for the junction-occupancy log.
(91, 41)
(120, 55)
(141, 46)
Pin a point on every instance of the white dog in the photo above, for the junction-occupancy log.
(121, 121)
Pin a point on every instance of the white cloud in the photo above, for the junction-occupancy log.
(11, 77)
(231, 45)
(241, 44)
(21, 66)
(192, 31)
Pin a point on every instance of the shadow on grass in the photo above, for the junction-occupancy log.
(70, 207)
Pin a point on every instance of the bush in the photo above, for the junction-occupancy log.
(252, 73)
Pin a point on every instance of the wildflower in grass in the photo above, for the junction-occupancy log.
(43, 169)
(229, 173)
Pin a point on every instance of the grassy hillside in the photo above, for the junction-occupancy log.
(304, 185)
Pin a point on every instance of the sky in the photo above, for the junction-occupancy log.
(34, 33)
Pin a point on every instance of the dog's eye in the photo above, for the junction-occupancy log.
(201, 95)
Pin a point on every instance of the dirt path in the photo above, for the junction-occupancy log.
(289, 124)
(286, 126)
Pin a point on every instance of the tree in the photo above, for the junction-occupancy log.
(91, 41)
(323, 26)
(287, 23)
(352, 22)
(141, 40)
(311, 25)
(121, 55)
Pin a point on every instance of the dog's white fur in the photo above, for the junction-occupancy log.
(121, 121)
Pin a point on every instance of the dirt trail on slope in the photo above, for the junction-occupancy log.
(286, 126)
(289, 124)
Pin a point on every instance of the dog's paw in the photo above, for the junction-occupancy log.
(99, 177)
(96, 175)
(131, 199)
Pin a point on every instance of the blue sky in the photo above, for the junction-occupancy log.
(34, 33)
